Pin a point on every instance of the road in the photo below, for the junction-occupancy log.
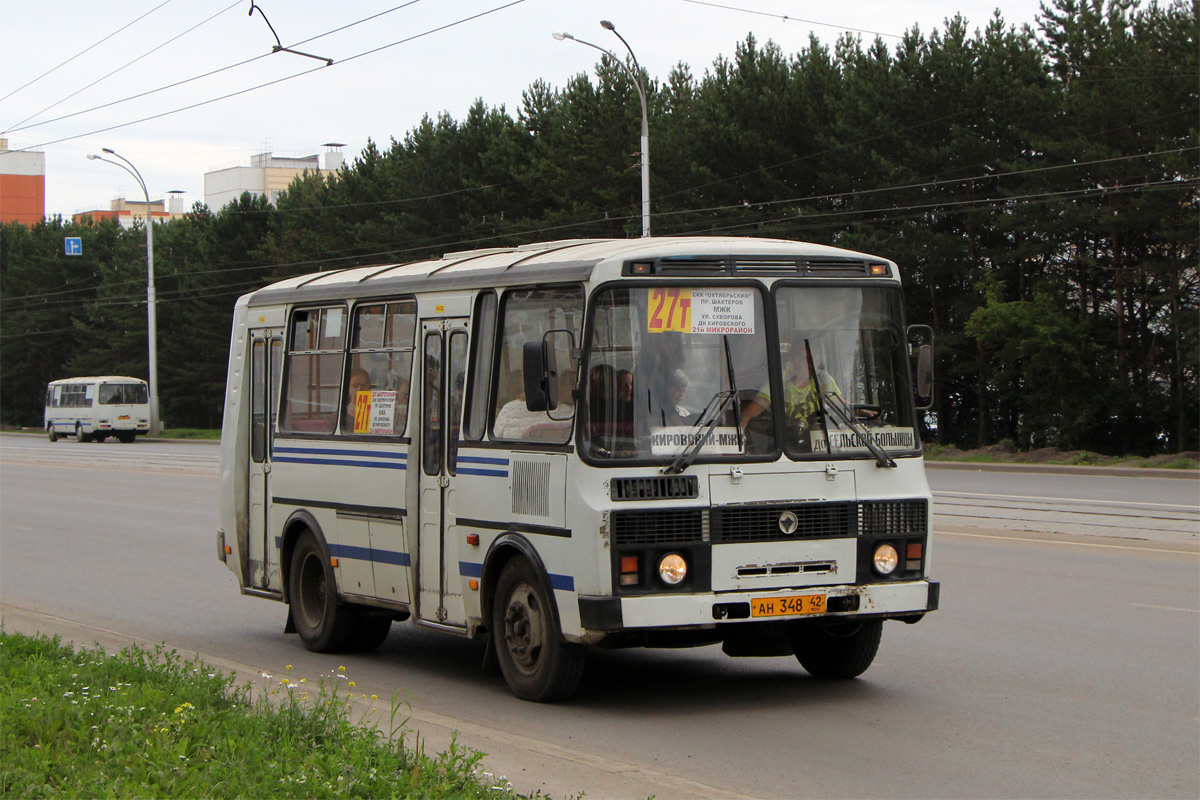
(1062, 663)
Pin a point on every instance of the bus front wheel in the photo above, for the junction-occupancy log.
(51, 434)
(325, 624)
(536, 662)
(835, 650)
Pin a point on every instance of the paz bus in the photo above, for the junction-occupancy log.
(658, 442)
(93, 409)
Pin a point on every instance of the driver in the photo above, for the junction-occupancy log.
(800, 400)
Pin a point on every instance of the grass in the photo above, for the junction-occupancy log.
(190, 433)
(142, 723)
(1006, 453)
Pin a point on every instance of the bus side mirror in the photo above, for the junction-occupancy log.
(920, 344)
(540, 373)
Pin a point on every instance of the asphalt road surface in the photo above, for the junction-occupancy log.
(1064, 662)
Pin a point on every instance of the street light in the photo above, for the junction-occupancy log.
(151, 298)
(637, 82)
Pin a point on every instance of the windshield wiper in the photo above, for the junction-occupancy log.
(837, 405)
(737, 403)
(882, 459)
(708, 418)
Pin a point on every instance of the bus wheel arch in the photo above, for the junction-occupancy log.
(324, 622)
(523, 622)
(297, 524)
(504, 549)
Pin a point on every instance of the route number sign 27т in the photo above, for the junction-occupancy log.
(713, 311)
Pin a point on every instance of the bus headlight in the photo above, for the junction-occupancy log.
(886, 559)
(672, 569)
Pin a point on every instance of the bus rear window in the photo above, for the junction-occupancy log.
(125, 394)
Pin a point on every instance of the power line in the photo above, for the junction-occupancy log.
(788, 18)
(811, 219)
(86, 49)
(209, 73)
(127, 64)
(280, 80)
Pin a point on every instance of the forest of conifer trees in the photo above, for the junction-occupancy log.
(1038, 184)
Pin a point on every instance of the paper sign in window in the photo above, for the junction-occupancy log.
(702, 311)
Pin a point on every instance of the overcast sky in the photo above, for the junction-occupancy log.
(65, 59)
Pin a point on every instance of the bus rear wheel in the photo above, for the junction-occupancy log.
(325, 624)
(835, 650)
(126, 438)
(536, 662)
(51, 434)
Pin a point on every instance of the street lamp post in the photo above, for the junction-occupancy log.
(151, 297)
(637, 82)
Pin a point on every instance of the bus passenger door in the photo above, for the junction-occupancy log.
(443, 376)
(266, 362)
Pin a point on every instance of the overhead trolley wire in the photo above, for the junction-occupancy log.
(123, 66)
(86, 49)
(21, 126)
(789, 18)
(201, 103)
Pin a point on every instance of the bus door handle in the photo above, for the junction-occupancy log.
(443, 480)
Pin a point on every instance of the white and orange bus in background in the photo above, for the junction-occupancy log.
(587, 443)
(95, 408)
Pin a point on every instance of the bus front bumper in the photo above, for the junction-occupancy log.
(908, 599)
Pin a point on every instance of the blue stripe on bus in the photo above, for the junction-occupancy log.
(337, 463)
(363, 554)
(321, 451)
(368, 554)
(469, 569)
(463, 466)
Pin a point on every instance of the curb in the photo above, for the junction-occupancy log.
(1068, 469)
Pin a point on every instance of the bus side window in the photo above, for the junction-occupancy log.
(483, 344)
(381, 355)
(313, 370)
(528, 316)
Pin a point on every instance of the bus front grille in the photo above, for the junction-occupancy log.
(665, 526)
(761, 523)
(771, 522)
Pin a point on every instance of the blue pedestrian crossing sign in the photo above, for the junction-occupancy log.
(73, 245)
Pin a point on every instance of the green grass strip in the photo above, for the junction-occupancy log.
(142, 723)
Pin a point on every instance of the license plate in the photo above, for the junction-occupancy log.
(787, 606)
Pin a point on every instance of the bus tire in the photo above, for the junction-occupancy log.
(51, 434)
(835, 650)
(80, 436)
(537, 663)
(126, 438)
(325, 624)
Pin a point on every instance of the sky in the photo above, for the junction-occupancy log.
(203, 90)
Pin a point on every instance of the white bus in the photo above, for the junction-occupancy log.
(92, 409)
(615, 443)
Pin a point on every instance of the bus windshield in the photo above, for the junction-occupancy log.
(114, 394)
(678, 373)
